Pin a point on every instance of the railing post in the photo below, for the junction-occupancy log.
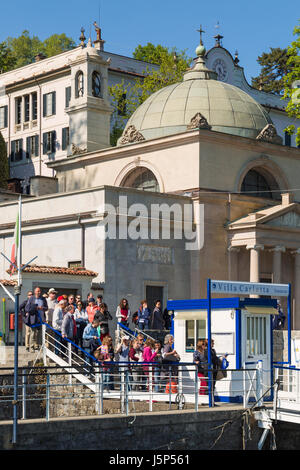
(275, 401)
(196, 388)
(98, 391)
(24, 383)
(150, 385)
(101, 389)
(48, 397)
(259, 383)
(70, 361)
(170, 387)
(180, 404)
(126, 389)
(44, 344)
(122, 390)
(244, 386)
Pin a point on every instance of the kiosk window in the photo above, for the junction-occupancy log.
(190, 335)
(256, 336)
(194, 330)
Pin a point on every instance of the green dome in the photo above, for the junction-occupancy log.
(226, 108)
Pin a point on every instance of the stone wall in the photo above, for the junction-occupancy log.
(157, 432)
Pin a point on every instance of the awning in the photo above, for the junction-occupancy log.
(190, 315)
(262, 310)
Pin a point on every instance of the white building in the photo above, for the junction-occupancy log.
(55, 102)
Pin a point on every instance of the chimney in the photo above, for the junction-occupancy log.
(287, 198)
(39, 57)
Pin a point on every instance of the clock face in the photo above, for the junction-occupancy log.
(220, 68)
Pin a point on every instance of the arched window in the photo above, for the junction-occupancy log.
(96, 84)
(141, 178)
(79, 84)
(260, 183)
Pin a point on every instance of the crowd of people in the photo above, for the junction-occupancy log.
(87, 324)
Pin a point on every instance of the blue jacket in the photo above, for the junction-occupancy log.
(144, 315)
(89, 332)
(32, 314)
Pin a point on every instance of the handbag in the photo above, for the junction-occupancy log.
(221, 374)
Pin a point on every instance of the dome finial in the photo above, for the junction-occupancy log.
(200, 51)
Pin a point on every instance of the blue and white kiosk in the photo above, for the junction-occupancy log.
(240, 327)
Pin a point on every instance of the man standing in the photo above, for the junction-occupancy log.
(36, 307)
(51, 302)
(28, 329)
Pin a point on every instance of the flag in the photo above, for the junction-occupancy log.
(16, 244)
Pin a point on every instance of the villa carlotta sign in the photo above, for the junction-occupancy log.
(246, 288)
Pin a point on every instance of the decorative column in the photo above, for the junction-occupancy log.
(277, 259)
(296, 290)
(233, 263)
(254, 263)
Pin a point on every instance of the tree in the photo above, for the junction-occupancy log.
(24, 48)
(7, 59)
(56, 44)
(20, 51)
(274, 68)
(169, 67)
(4, 168)
(292, 84)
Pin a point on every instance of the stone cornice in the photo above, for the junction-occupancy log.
(183, 138)
(40, 78)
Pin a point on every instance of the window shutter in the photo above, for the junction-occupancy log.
(53, 141)
(63, 139)
(5, 116)
(44, 105)
(13, 149)
(37, 148)
(28, 147)
(68, 96)
(54, 102)
(44, 143)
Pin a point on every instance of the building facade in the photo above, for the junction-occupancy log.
(201, 147)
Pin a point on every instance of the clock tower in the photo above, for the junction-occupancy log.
(89, 108)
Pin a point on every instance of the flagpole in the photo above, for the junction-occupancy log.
(16, 348)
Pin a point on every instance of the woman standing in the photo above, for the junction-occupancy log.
(103, 316)
(149, 355)
(81, 319)
(200, 358)
(170, 357)
(123, 312)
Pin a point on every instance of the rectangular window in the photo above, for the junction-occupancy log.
(16, 150)
(49, 104)
(68, 96)
(34, 106)
(190, 336)
(32, 146)
(49, 142)
(256, 336)
(65, 138)
(26, 108)
(287, 139)
(18, 110)
(3, 117)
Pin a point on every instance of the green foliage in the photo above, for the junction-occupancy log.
(274, 68)
(56, 44)
(4, 168)
(20, 51)
(292, 84)
(171, 66)
(24, 48)
(7, 59)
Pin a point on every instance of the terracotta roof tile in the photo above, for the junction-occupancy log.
(59, 270)
(8, 282)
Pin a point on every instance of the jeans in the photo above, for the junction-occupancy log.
(144, 325)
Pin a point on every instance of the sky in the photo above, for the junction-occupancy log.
(251, 27)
